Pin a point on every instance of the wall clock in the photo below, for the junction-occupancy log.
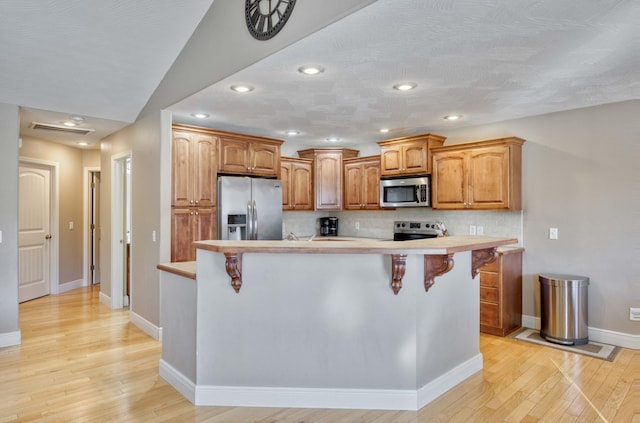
(265, 18)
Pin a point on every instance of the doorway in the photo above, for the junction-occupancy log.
(92, 228)
(37, 224)
(121, 230)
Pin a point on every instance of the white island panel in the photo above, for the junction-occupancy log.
(326, 330)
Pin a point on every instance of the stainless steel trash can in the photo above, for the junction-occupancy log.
(563, 308)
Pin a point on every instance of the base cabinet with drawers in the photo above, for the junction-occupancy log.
(501, 293)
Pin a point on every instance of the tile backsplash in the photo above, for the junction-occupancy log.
(379, 224)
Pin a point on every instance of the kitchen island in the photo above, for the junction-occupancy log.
(343, 324)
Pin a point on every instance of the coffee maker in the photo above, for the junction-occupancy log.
(329, 226)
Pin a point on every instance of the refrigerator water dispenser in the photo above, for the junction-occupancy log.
(237, 227)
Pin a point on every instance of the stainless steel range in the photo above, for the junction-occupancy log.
(409, 230)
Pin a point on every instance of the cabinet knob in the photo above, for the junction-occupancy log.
(196, 201)
(191, 202)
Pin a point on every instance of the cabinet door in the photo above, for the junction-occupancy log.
(181, 169)
(204, 224)
(371, 185)
(414, 158)
(353, 186)
(204, 169)
(449, 181)
(264, 159)
(328, 178)
(234, 156)
(302, 186)
(489, 178)
(390, 161)
(285, 176)
(182, 235)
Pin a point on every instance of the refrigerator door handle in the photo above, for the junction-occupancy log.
(255, 221)
(249, 220)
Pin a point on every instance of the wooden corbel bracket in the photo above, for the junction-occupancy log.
(434, 266)
(398, 266)
(481, 258)
(233, 264)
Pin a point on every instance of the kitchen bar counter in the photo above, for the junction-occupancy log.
(437, 252)
(316, 324)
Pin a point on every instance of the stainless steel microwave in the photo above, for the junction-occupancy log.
(405, 192)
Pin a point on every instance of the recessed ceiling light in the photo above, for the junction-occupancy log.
(311, 69)
(200, 115)
(333, 139)
(405, 86)
(452, 117)
(242, 88)
(293, 133)
(69, 123)
(383, 130)
(83, 143)
(77, 118)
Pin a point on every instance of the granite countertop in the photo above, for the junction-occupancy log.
(185, 268)
(347, 245)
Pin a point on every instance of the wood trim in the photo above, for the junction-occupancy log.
(398, 267)
(233, 265)
(436, 265)
(481, 258)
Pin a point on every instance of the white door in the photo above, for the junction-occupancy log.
(33, 232)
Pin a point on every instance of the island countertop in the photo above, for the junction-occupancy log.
(431, 246)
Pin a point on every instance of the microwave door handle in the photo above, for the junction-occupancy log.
(417, 193)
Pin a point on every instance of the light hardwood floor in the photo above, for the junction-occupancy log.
(81, 362)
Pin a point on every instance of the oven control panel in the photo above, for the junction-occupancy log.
(419, 229)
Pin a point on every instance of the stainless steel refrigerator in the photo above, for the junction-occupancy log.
(249, 208)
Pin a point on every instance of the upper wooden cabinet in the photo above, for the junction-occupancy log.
(193, 168)
(482, 175)
(297, 183)
(252, 156)
(362, 183)
(327, 175)
(409, 155)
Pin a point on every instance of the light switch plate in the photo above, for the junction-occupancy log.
(553, 233)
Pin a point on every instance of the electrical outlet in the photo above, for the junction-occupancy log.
(153, 236)
(480, 230)
(634, 314)
(553, 233)
(357, 224)
(472, 229)
(71, 225)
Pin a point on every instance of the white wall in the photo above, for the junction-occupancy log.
(580, 175)
(9, 129)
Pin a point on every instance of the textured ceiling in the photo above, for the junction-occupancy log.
(487, 60)
(94, 58)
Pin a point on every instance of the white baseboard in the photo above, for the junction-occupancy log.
(68, 286)
(370, 399)
(439, 386)
(10, 339)
(146, 326)
(105, 299)
(179, 381)
(604, 336)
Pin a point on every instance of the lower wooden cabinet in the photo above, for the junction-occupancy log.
(191, 224)
(501, 293)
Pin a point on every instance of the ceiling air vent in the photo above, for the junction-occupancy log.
(60, 128)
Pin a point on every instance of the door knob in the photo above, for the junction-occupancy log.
(47, 236)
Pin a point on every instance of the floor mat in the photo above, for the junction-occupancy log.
(592, 349)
